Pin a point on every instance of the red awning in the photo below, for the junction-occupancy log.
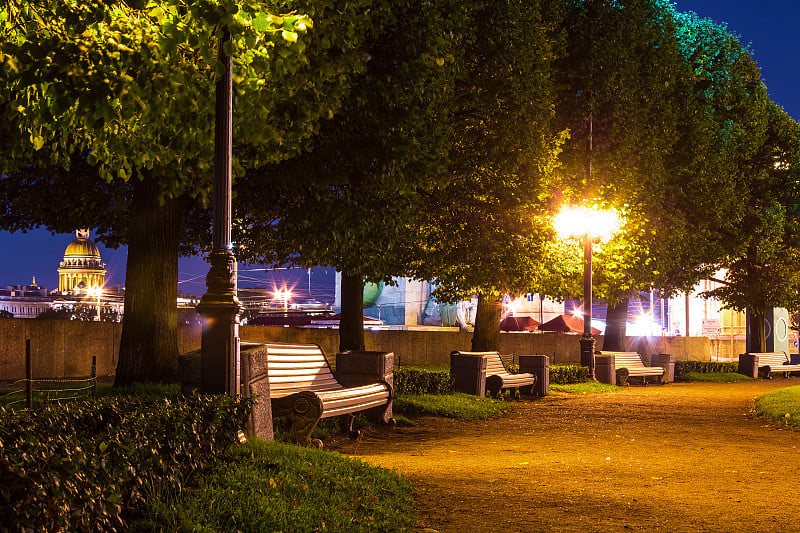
(566, 324)
(518, 323)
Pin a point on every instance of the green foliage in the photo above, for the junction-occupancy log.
(453, 405)
(587, 387)
(782, 406)
(86, 466)
(268, 486)
(566, 374)
(422, 380)
(686, 367)
(715, 377)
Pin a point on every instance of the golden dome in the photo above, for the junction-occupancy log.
(82, 247)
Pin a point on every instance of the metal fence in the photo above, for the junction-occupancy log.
(24, 393)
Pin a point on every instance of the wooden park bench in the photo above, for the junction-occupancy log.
(497, 377)
(304, 389)
(765, 364)
(629, 365)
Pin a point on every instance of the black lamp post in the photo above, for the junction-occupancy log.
(220, 306)
(587, 339)
(586, 224)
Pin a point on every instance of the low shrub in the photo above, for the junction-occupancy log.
(687, 367)
(87, 466)
(422, 380)
(566, 374)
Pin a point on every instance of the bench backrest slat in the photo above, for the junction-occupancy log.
(626, 359)
(494, 363)
(771, 358)
(297, 367)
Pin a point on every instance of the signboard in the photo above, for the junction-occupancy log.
(710, 327)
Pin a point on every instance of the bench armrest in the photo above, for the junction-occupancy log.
(468, 373)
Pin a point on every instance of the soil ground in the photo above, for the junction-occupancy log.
(676, 457)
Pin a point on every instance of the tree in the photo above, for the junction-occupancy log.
(127, 90)
(767, 272)
(483, 232)
(347, 202)
(663, 108)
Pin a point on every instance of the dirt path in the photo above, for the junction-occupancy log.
(679, 457)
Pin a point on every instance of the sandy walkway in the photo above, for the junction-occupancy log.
(679, 457)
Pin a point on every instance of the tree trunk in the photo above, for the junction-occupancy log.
(351, 323)
(486, 337)
(149, 345)
(756, 332)
(616, 320)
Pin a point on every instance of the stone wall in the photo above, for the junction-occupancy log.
(62, 348)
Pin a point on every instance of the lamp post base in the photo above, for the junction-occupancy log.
(220, 308)
(587, 354)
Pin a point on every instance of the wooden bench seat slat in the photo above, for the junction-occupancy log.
(340, 403)
(343, 411)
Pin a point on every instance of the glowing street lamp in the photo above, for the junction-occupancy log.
(97, 292)
(587, 224)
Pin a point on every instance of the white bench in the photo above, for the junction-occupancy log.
(629, 365)
(497, 375)
(303, 388)
(766, 363)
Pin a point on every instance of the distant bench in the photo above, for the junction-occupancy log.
(765, 364)
(471, 375)
(629, 365)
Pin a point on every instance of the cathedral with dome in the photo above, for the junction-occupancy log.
(81, 270)
(81, 281)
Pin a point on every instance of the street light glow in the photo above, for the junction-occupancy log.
(576, 222)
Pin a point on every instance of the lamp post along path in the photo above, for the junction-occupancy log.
(587, 340)
(220, 307)
(587, 224)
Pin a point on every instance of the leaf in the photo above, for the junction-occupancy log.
(261, 22)
(289, 36)
(38, 142)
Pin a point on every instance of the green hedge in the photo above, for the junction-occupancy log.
(421, 380)
(437, 380)
(89, 465)
(703, 367)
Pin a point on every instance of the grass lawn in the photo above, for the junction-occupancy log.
(270, 486)
(715, 377)
(587, 387)
(782, 406)
(455, 405)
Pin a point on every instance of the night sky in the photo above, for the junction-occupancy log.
(768, 26)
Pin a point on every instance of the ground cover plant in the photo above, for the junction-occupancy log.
(270, 486)
(91, 465)
(454, 405)
(715, 377)
(781, 406)
(587, 387)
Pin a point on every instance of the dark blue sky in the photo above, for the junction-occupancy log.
(769, 26)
